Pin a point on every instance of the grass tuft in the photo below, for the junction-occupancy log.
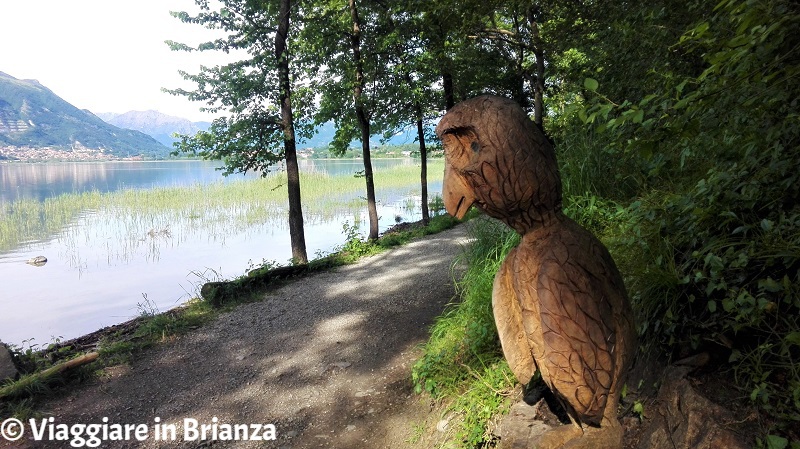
(462, 360)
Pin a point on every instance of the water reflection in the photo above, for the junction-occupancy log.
(44, 180)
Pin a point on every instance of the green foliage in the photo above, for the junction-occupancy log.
(251, 137)
(638, 409)
(600, 216)
(354, 247)
(30, 357)
(116, 352)
(689, 174)
(711, 246)
(485, 394)
(246, 144)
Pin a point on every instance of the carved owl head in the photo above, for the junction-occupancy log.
(497, 159)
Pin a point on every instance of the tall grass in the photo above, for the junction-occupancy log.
(463, 360)
(221, 207)
(589, 168)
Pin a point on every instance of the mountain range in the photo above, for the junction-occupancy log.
(155, 124)
(162, 127)
(32, 116)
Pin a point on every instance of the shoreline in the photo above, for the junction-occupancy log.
(142, 159)
(125, 331)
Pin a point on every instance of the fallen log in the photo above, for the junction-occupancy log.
(20, 385)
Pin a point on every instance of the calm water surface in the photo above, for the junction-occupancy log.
(44, 180)
(102, 272)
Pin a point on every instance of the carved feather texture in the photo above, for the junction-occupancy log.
(559, 301)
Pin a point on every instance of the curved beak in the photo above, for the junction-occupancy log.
(457, 194)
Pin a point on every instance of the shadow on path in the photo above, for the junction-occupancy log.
(326, 359)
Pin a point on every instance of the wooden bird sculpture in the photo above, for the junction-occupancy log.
(559, 302)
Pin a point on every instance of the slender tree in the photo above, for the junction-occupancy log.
(423, 155)
(363, 119)
(346, 68)
(412, 74)
(287, 121)
(256, 93)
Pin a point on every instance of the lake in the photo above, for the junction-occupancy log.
(43, 180)
(130, 237)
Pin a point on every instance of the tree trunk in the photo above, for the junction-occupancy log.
(423, 154)
(363, 121)
(449, 91)
(296, 232)
(519, 95)
(538, 90)
(445, 66)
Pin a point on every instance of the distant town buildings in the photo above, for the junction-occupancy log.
(76, 153)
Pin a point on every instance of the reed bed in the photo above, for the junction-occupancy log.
(133, 216)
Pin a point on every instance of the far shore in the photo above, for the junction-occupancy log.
(184, 159)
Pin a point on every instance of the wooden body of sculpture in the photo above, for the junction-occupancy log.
(558, 299)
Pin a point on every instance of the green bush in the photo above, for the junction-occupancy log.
(710, 246)
(722, 264)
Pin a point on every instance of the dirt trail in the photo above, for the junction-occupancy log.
(326, 359)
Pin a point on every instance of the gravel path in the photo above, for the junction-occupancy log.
(326, 359)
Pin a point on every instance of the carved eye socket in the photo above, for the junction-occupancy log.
(454, 149)
(460, 146)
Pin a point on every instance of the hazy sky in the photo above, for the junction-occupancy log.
(104, 55)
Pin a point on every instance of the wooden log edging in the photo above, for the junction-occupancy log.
(16, 387)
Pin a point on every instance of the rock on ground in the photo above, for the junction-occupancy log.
(521, 428)
(7, 368)
(684, 419)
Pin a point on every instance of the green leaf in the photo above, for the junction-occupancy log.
(770, 285)
(638, 116)
(582, 115)
(727, 304)
(681, 103)
(776, 442)
(591, 84)
(638, 408)
(793, 338)
(646, 100)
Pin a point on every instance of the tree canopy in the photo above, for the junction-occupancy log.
(679, 118)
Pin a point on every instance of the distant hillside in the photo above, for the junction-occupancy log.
(155, 124)
(32, 116)
(324, 136)
(106, 116)
(162, 127)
